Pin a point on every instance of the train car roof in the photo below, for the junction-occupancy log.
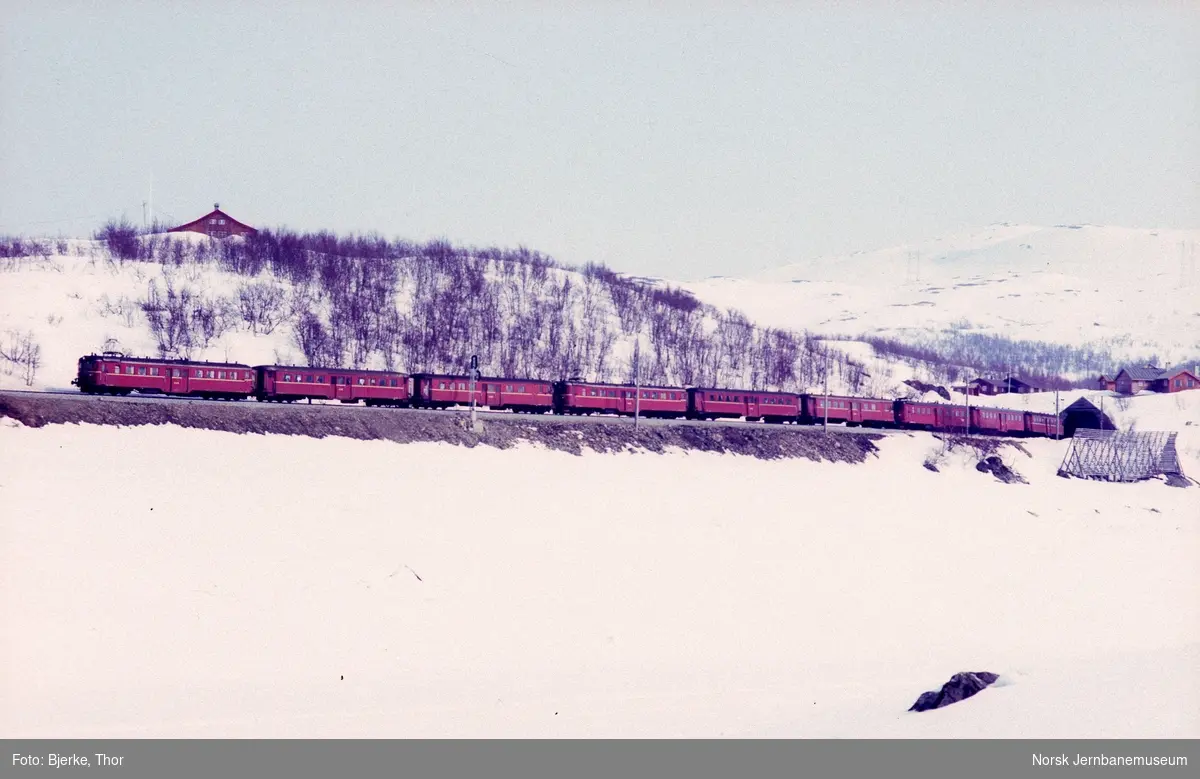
(159, 360)
(744, 391)
(458, 377)
(328, 370)
(621, 386)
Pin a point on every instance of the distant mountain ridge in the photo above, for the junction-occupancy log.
(1134, 290)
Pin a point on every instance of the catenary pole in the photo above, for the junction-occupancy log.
(637, 383)
(827, 389)
(474, 375)
(967, 399)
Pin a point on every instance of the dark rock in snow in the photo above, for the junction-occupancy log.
(921, 386)
(995, 466)
(960, 687)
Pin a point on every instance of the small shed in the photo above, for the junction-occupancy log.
(1083, 415)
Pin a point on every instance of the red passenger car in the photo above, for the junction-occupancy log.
(433, 390)
(871, 412)
(729, 404)
(291, 383)
(577, 397)
(1043, 424)
(920, 415)
(118, 374)
(997, 420)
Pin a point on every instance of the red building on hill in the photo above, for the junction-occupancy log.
(215, 224)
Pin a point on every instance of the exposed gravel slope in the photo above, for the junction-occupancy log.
(406, 426)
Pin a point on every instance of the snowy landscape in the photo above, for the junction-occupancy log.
(284, 586)
(162, 581)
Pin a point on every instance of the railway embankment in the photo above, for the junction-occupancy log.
(503, 431)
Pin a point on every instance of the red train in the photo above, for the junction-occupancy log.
(432, 390)
(116, 373)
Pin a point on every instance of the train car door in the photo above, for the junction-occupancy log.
(177, 382)
(341, 387)
(751, 406)
(491, 394)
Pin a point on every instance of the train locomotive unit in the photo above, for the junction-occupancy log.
(114, 373)
(119, 374)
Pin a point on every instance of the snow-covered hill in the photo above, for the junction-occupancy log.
(1134, 290)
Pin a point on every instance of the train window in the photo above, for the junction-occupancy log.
(372, 382)
(141, 370)
(508, 388)
(320, 380)
(287, 377)
(361, 381)
(462, 385)
(521, 388)
(441, 385)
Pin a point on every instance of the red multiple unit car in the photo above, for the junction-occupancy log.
(374, 388)
(915, 415)
(433, 390)
(997, 420)
(706, 403)
(580, 397)
(116, 373)
(1049, 425)
(870, 412)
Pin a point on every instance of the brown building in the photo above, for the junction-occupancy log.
(215, 224)
(1178, 379)
(1140, 378)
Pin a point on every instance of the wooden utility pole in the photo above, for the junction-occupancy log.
(474, 376)
(637, 382)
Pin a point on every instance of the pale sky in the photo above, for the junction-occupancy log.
(673, 139)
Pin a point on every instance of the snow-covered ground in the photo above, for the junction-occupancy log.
(1132, 290)
(162, 581)
(170, 582)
